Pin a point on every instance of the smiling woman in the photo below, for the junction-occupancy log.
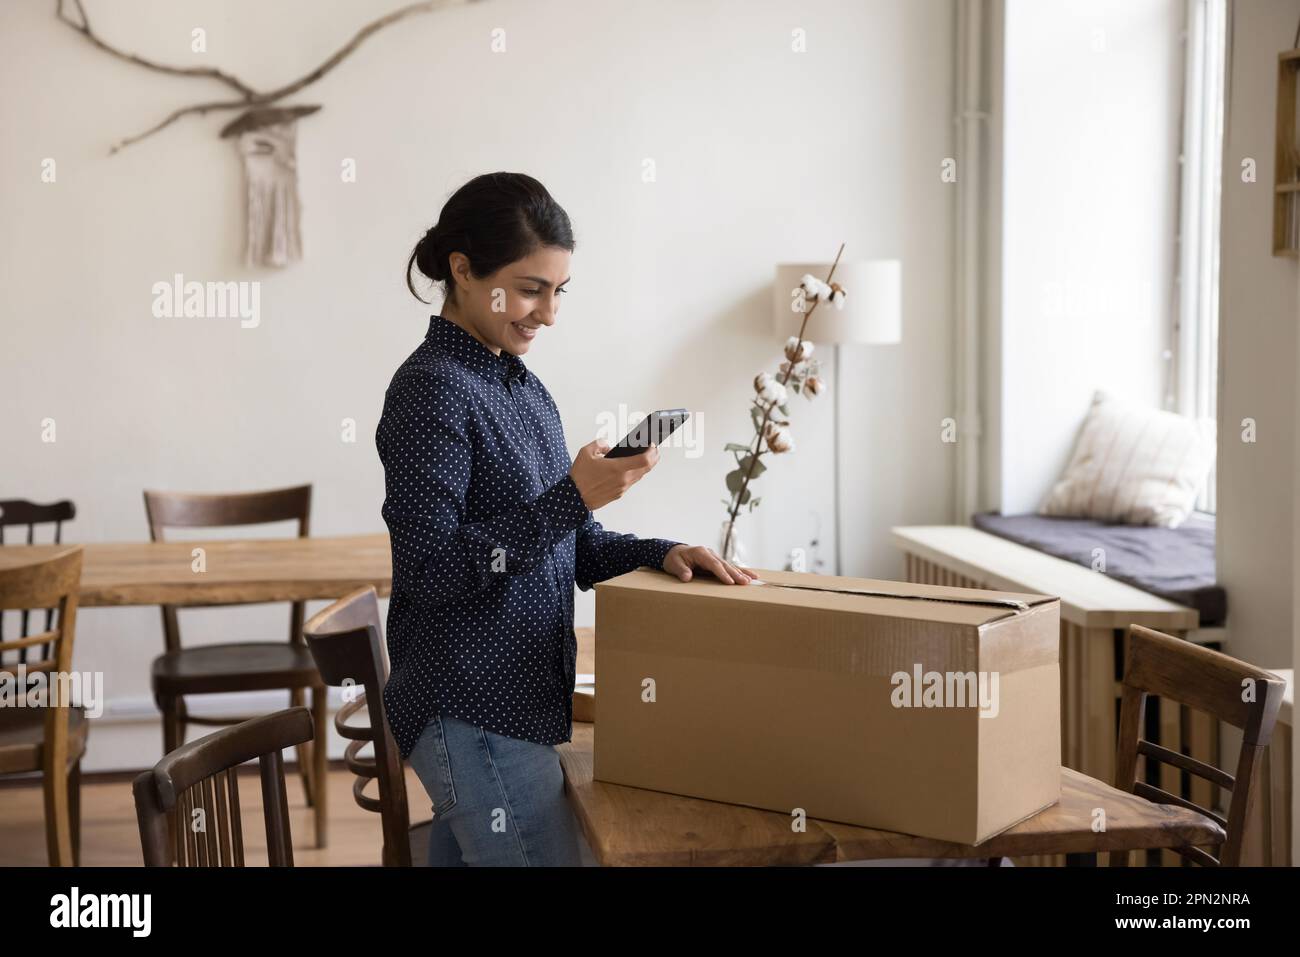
(491, 528)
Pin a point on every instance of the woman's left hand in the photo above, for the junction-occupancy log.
(684, 560)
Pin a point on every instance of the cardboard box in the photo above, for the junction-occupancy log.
(793, 694)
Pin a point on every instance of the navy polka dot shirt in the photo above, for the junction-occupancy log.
(489, 535)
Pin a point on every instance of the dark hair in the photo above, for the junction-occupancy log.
(494, 219)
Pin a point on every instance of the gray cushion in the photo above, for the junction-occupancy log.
(1174, 563)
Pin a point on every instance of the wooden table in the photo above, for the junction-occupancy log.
(243, 571)
(235, 572)
(633, 826)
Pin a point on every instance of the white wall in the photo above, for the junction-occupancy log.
(1259, 363)
(1092, 99)
(1257, 353)
(763, 155)
(895, 469)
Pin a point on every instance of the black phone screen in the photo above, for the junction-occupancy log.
(653, 430)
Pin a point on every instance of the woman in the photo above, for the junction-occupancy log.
(491, 527)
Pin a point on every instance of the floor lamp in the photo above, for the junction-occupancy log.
(872, 314)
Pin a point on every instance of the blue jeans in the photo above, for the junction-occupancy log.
(497, 801)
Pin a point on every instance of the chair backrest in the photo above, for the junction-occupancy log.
(52, 585)
(197, 787)
(345, 640)
(19, 511)
(1209, 681)
(217, 510)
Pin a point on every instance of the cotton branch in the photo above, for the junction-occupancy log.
(767, 415)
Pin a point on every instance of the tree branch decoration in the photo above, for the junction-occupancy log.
(266, 134)
(802, 374)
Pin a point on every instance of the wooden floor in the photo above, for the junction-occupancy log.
(110, 838)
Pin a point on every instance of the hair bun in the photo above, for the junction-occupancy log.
(431, 258)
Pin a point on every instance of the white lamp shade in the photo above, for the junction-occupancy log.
(872, 310)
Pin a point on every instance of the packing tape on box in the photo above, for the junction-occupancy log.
(826, 642)
(1014, 603)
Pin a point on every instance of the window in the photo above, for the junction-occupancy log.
(1197, 325)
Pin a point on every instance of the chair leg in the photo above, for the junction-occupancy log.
(74, 811)
(181, 716)
(171, 729)
(58, 827)
(167, 706)
(320, 763)
(303, 752)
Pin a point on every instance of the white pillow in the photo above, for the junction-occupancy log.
(1134, 466)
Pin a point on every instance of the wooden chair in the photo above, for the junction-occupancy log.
(19, 511)
(1212, 682)
(187, 806)
(243, 666)
(41, 737)
(345, 640)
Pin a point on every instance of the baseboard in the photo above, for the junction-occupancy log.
(127, 737)
(247, 770)
(139, 708)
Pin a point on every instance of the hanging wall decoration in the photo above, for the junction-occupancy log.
(266, 135)
(268, 142)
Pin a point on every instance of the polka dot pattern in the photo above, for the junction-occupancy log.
(489, 536)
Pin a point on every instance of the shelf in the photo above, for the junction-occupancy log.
(1286, 166)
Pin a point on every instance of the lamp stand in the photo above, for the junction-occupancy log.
(835, 450)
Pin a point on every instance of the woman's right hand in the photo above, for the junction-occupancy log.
(601, 480)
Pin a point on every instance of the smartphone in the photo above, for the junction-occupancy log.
(654, 428)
